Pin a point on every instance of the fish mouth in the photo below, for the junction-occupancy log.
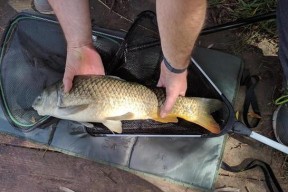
(37, 102)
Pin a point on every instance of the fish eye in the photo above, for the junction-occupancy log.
(39, 98)
(37, 101)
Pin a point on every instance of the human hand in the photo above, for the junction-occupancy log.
(175, 84)
(84, 60)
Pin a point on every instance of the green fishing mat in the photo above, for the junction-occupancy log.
(33, 54)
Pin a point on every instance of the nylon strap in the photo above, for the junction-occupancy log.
(250, 98)
(270, 179)
(172, 69)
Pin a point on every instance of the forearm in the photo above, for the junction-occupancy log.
(74, 18)
(180, 23)
(82, 58)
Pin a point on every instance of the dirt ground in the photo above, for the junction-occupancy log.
(260, 58)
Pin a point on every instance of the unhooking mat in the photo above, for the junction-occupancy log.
(192, 162)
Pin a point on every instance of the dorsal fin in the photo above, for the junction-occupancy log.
(115, 77)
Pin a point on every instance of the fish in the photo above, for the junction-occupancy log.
(109, 100)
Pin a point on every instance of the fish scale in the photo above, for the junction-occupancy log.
(101, 86)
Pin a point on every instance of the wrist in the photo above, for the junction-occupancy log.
(173, 69)
(86, 53)
(79, 44)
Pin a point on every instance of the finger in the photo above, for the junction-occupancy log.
(102, 71)
(168, 104)
(182, 93)
(67, 81)
(159, 84)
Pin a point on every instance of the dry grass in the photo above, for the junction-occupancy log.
(222, 11)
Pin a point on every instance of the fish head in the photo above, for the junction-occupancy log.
(46, 103)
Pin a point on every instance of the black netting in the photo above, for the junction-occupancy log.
(34, 55)
(140, 54)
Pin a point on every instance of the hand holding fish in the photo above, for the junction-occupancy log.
(82, 58)
(81, 61)
(175, 84)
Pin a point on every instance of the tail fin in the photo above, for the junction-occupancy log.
(204, 117)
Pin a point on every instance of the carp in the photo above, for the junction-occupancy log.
(109, 100)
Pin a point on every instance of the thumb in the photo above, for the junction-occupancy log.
(168, 104)
(160, 84)
(67, 81)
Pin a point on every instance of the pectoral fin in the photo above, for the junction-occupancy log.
(64, 111)
(85, 124)
(126, 116)
(114, 126)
